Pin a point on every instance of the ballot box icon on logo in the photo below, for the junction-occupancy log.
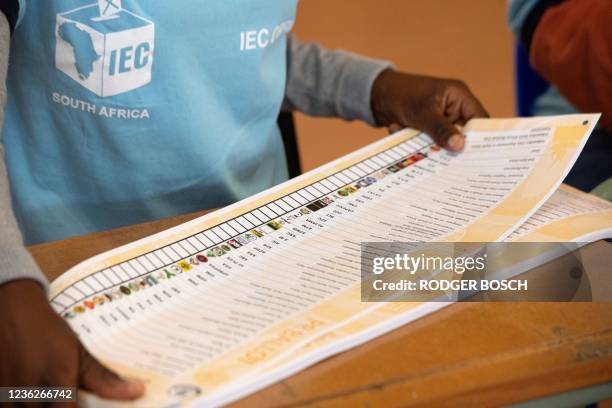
(105, 48)
(109, 8)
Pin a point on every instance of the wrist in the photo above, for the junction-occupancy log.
(22, 290)
(378, 97)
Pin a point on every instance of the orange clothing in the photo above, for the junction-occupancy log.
(572, 49)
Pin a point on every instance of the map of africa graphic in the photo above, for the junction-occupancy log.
(85, 54)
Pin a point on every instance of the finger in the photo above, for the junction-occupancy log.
(442, 130)
(60, 404)
(101, 381)
(471, 107)
(394, 127)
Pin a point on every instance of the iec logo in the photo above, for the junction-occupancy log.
(105, 48)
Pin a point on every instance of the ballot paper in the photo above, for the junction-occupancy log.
(211, 310)
(570, 215)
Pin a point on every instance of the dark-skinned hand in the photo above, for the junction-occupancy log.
(39, 349)
(435, 106)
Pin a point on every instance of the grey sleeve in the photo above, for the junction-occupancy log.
(15, 261)
(321, 82)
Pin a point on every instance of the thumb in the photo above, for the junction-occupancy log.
(442, 130)
(96, 378)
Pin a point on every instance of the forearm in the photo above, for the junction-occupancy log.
(330, 83)
(15, 261)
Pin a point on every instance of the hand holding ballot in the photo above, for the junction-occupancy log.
(225, 304)
(433, 105)
(39, 348)
(119, 113)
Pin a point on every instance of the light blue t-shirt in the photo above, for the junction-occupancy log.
(120, 112)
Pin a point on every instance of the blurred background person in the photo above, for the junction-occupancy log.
(569, 45)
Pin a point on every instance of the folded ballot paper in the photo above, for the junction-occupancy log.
(219, 307)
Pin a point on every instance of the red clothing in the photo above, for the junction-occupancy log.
(572, 49)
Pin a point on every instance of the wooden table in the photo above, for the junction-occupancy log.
(478, 354)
